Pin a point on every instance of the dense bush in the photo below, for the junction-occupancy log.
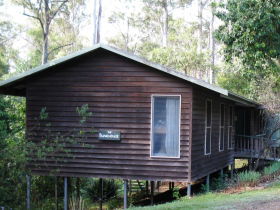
(12, 152)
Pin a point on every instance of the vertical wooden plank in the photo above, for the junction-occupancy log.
(28, 192)
(125, 182)
(65, 193)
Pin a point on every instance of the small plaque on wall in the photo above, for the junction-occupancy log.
(109, 135)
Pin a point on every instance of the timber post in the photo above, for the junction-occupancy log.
(222, 173)
(189, 190)
(208, 183)
(147, 187)
(101, 193)
(28, 192)
(65, 193)
(125, 182)
(152, 192)
(232, 169)
(55, 193)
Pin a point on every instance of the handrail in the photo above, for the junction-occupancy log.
(255, 136)
(255, 146)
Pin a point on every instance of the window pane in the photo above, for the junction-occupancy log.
(208, 141)
(166, 126)
(222, 115)
(208, 114)
(222, 135)
(230, 116)
(230, 142)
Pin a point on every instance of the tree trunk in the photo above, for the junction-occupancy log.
(45, 51)
(97, 13)
(212, 48)
(165, 24)
(200, 23)
(99, 22)
(94, 21)
(127, 35)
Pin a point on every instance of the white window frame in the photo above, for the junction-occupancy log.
(151, 128)
(222, 127)
(207, 127)
(230, 128)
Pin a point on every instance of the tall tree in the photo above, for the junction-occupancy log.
(127, 21)
(44, 12)
(180, 52)
(212, 44)
(5, 30)
(161, 12)
(251, 35)
(8, 33)
(201, 5)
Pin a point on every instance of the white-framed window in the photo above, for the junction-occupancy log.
(208, 126)
(165, 129)
(222, 128)
(230, 127)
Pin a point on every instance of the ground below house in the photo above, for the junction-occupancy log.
(265, 196)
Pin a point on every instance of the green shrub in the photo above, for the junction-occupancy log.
(219, 183)
(273, 168)
(115, 203)
(92, 190)
(248, 177)
(176, 193)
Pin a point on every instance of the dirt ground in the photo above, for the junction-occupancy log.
(260, 205)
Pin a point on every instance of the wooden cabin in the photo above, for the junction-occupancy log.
(148, 122)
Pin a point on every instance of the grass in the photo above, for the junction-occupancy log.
(222, 200)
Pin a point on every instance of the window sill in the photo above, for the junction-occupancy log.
(164, 157)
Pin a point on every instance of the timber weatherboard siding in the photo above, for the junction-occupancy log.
(202, 165)
(118, 92)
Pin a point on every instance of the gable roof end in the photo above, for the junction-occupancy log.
(130, 56)
(12, 85)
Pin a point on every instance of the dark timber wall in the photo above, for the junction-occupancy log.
(201, 164)
(118, 92)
